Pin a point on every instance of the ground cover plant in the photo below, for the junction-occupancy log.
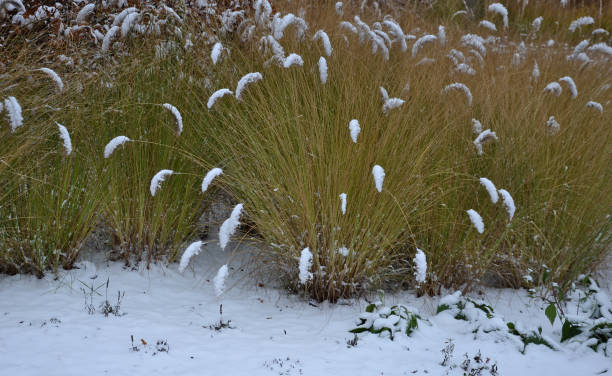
(355, 138)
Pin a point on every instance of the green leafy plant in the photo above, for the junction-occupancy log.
(379, 319)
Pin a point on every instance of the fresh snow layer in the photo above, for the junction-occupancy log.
(46, 330)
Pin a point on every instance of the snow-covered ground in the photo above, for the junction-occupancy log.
(45, 329)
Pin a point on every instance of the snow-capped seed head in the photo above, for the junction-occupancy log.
(484, 137)
(13, 108)
(571, 85)
(322, 70)
(491, 189)
(215, 54)
(476, 220)
(554, 88)
(553, 125)
(476, 42)
(420, 264)
(508, 203)
(379, 176)
(209, 177)
(535, 73)
(229, 226)
(343, 203)
(54, 76)
(158, 179)
(396, 31)
(65, 137)
(442, 35)
(343, 251)
(354, 128)
(113, 144)
(339, 10)
(461, 87)
(247, 79)
(111, 34)
(476, 126)
(193, 250)
(501, 10)
(85, 12)
(219, 280)
(416, 47)
(536, 24)
(216, 95)
(178, 119)
(322, 35)
(595, 105)
(383, 94)
(293, 59)
(391, 104)
(128, 23)
(601, 48)
(488, 25)
(580, 22)
(305, 274)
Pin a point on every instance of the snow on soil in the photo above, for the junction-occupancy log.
(45, 329)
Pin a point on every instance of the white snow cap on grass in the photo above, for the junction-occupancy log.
(339, 10)
(536, 24)
(595, 105)
(501, 10)
(476, 220)
(193, 250)
(210, 175)
(476, 126)
(215, 54)
(488, 25)
(391, 104)
(535, 73)
(108, 38)
(293, 59)
(216, 95)
(343, 203)
(229, 226)
(476, 42)
(420, 263)
(65, 137)
(112, 145)
(553, 125)
(219, 280)
(54, 76)
(84, 13)
(178, 119)
(247, 79)
(461, 87)
(354, 129)
(601, 47)
(14, 112)
(571, 85)
(379, 176)
(343, 251)
(508, 203)
(554, 88)
(320, 34)
(384, 94)
(416, 47)
(442, 35)
(322, 70)
(158, 179)
(128, 22)
(305, 265)
(483, 137)
(580, 22)
(395, 30)
(491, 189)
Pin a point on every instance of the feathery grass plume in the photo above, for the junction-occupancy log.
(420, 264)
(348, 26)
(322, 64)
(128, 23)
(462, 11)
(595, 105)
(178, 119)
(293, 59)
(600, 31)
(476, 220)
(54, 76)
(391, 104)
(535, 73)
(378, 42)
(65, 137)
(416, 47)
(554, 88)
(279, 24)
(396, 32)
(536, 25)
(9, 5)
(210, 175)
(461, 87)
(488, 25)
(476, 126)
(339, 10)
(108, 38)
(580, 22)
(501, 10)
(354, 128)
(247, 79)
(343, 251)
(580, 47)
(475, 42)
(491, 189)
(571, 85)
(602, 48)
(553, 125)
(112, 145)
(118, 20)
(193, 250)
(425, 61)
(320, 34)
(384, 94)
(215, 54)
(269, 44)
(362, 28)
(305, 274)
(229, 226)
(13, 108)
(442, 35)
(216, 95)
(508, 203)
(456, 56)
(464, 68)
(158, 179)
(219, 280)
(263, 10)
(478, 56)
(343, 203)
(482, 138)
(564, 3)
(379, 177)
(84, 13)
